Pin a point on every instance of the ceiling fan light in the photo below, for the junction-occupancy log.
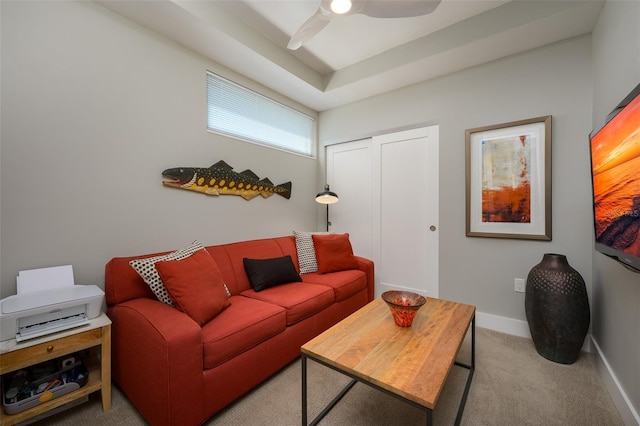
(340, 6)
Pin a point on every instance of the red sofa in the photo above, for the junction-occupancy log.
(178, 373)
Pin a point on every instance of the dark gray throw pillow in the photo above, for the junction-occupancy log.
(265, 273)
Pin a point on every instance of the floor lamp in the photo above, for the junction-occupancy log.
(327, 197)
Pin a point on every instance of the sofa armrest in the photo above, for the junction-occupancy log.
(157, 360)
(366, 265)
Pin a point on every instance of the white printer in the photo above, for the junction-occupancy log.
(43, 310)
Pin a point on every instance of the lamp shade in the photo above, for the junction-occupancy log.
(327, 196)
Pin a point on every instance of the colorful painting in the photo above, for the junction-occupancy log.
(220, 179)
(508, 174)
(506, 182)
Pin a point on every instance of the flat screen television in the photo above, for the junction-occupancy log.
(615, 178)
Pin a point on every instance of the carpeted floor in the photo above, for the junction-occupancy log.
(512, 385)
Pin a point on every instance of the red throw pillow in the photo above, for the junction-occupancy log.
(334, 253)
(196, 285)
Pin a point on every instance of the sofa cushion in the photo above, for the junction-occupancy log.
(334, 253)
(300, 300)
(147, 270)
(243, 325)
(344, 283)
(265, 273)
(253, 249)
(195, 285)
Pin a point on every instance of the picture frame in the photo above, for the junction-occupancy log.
(508, 180)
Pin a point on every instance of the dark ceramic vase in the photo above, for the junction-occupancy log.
(557, 309)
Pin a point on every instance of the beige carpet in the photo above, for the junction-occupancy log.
(512, 385)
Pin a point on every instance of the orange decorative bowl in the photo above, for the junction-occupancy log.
(403, 305)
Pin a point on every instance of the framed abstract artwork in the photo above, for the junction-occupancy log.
(508, 180)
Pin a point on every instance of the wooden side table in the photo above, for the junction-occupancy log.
(96, 336)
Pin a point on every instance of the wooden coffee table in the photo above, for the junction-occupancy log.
(409, 363)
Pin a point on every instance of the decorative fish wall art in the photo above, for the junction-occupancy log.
(220, 179)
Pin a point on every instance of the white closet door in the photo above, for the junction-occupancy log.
(405, 214)
(349, 174)
(388, 191)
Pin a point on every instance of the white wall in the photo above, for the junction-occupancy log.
(554, 80)
(616, 323)
(94, 107)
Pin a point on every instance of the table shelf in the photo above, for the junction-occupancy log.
(96, 336)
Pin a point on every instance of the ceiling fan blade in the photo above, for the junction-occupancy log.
(372, 8)
(396, 8)
(310, 28)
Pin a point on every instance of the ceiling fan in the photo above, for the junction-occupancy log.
(332, 9)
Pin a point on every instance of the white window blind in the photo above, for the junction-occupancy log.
(239, 112)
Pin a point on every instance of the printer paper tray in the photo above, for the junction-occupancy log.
(41, 325)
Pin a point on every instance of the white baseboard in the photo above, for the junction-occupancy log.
(503, 324)
(382, 287)
(514, 327)
(629, 415)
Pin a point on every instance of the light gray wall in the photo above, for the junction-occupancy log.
(0, 162)
(554, 80)
(616, 323)
(94, 107)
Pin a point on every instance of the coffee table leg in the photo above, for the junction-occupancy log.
(429, 417)
(472, 368)
(303, 359)
(325, 411)
(473, 342)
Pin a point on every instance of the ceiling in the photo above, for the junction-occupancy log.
(357, 56)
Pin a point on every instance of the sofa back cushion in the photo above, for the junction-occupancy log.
(230, 258)
(123, 283)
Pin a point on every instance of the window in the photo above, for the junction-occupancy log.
(236, 111)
